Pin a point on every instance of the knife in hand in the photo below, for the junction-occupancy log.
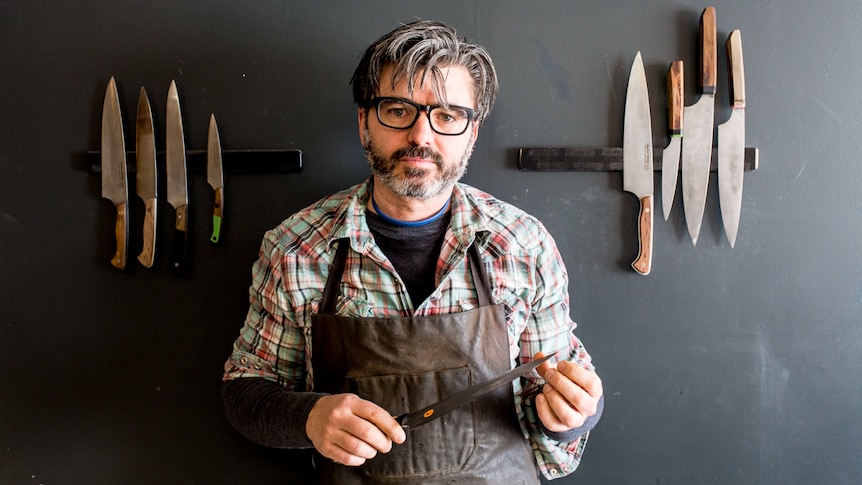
(215, 177)
(438, 409)
(697, 144)
(175, 162)
(670, 155)
(731, 142)
(637, 160)
(146, 176)
(114, 178)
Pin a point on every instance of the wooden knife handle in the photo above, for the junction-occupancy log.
(218, 212)
(121, 232)
(735, 70)
(149, 249)
(708, 56)
(643, 263)
(674, 98)
(180, 253)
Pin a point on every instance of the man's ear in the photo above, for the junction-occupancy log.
(362, 121)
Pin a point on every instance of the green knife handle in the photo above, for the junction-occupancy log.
(643, 263)
(218, 212)
(708, 54)
(149, 248)
(181, 240)
(121, 231)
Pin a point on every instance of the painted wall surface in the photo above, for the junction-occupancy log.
(722, 366)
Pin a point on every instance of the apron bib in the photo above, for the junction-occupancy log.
(405, 363)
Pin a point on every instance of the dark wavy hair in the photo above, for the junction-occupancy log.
(418, 51)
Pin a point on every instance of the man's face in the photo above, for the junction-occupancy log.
(418, 162)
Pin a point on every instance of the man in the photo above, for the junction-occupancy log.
(397, 292)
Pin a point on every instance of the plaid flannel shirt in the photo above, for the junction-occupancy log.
(526, 271)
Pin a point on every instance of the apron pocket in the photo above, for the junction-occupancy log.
(421, 454)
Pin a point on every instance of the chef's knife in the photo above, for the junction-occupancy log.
(670, 155)
(147, 176)
(731, 142)
(175, 157)
(438, 409)
(637, 160)
(215, 177)
(697, 144)
(114, 182)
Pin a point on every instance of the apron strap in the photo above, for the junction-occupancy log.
(336, 271)
(331, 292)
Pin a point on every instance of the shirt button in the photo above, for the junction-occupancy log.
(244, 360)
(257, 365)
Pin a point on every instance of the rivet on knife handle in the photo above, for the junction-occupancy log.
(181, 239)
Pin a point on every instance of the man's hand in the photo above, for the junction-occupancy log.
(569, 397)
(350, 430)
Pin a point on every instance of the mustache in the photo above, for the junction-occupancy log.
(414, 151)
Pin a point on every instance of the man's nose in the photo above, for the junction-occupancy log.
(421, 132)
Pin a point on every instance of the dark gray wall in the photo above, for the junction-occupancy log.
(722, 366)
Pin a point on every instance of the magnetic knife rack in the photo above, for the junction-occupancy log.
(233, 161)
(604, 159)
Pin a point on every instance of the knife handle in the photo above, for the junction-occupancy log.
(121, 232)
(708, 55)
(218, 212)
(148, 251)
(674, 98)
(643, 263)
(735, 70)
(181, 239)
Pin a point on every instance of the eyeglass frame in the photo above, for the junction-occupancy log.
(422, 108)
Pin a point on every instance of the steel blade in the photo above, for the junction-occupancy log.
(215, 174)
(440, 408)
(175, 151)
(731, 164)
(637, 134)
(114, 178)
(669, 172)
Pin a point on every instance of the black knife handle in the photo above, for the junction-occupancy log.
(180, 253)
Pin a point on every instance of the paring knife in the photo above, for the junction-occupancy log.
(438, 409)
(731, 142)
(697, 144)
(114, 178)
(215, 177)
(175, 158)
(637, 160)
(146, 176)
(670, 155)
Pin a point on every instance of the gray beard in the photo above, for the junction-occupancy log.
(412, 182)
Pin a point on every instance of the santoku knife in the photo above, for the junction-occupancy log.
(438, 409)
(114, 178)
(637, 160)
(731, 142)
(215, 177)
(697, 144)
(670, 155)
(146, 176)
(175, 157)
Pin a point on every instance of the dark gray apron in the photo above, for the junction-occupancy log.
(403, 364)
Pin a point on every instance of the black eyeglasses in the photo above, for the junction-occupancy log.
(401, 114)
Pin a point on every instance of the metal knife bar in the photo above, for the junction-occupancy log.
(234, 161)
(605, 159)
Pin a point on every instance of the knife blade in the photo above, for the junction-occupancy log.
(215, 177)
(175, 158)
(146, 176)
(114, 177)
(637, 160)
(454, 401)
(670, 155)
(697, 144)
(731, 142)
